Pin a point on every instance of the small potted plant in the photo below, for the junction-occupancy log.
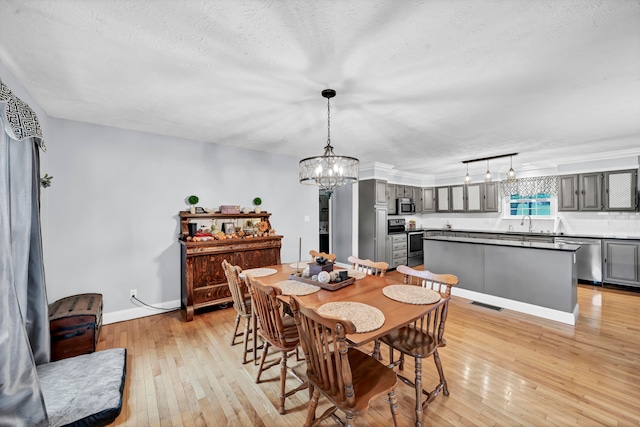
(193, 200)
(257, 202)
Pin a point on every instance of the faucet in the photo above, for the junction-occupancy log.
(522, 222)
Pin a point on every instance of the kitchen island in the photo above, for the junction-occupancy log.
(531, 277)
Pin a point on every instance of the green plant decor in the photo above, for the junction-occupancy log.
(45, 181)
(193, 200)
(257, 201)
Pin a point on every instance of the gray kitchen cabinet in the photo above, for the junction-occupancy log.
(372, 222)
(458, 202)
(599, 191)
(417, 197)
(391, 199)
(621, 190)
(442, 199)
(398, 244)
(474, 197)
(428, 200)
(381, 192)
(590, 191)
(491, 197)
(621, 261)
(568, 193)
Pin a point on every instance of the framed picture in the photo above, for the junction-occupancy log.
(229, 227)
(200, 210)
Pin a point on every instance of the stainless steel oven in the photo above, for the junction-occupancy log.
(415, 248)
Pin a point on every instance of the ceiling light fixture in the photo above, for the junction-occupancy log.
(511, 174)
(467, 177)
(328, 171)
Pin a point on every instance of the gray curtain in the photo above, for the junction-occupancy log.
(24, 323)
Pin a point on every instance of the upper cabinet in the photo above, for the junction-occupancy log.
(458, 196)
(598, 191)
(478, 197)
(391, 198)
(428, 200)
(475, 196)
(491, 197)
(621, 190)
(442, 199)
(382, 193)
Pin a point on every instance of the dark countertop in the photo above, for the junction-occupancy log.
(498, 242)
(524, 233)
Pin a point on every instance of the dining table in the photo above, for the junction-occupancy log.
(367, 290)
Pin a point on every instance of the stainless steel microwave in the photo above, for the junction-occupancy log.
(405, 205)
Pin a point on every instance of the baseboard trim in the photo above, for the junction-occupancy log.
(521, 307)
(138, 312)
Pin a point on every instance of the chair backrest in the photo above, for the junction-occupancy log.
(267, 308)
(316, 254)
(236, 286)
(433, 324)
(326, 352)
(368, 266)
(438, 282)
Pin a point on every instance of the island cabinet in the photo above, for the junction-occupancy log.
(203, 282)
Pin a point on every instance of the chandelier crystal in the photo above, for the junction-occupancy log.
(328, 171)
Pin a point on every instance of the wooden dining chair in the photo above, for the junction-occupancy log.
(241, 303)
(422, 338)
(349, 378)
(316, 254)
(278, 331)
(368, 266)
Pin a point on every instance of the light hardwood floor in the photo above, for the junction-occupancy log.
(503, 368)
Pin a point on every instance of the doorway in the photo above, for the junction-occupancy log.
(323, 226)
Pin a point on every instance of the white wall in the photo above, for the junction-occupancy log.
(112, 216)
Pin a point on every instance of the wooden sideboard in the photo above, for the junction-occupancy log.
(203, 282)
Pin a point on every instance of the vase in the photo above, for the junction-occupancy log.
(257, 210)
(192, 209)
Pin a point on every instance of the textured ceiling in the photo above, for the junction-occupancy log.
(422, 85)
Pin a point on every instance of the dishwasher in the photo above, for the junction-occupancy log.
(588, 257)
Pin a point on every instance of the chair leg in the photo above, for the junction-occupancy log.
(313, 404)
(393, 403)
(376, 351)
(443, 381)
(283, 380)
(262, 359)
(418, 386)
(235, 330)
(247, 326)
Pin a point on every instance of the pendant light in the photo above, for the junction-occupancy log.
(487, 177)
(467, 177)
(511, 175)
(328, 171)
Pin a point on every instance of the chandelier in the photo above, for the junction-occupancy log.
(511, 175)
(328, 171)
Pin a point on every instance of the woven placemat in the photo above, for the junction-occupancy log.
(365, 317)
(293, 287)
(357, 274)
(258, 272)
(411, 294)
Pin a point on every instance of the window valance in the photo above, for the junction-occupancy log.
(21, 121)
(530, 186)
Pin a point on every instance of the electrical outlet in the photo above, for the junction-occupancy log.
(133, 293)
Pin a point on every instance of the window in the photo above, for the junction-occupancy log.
(535, 205)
